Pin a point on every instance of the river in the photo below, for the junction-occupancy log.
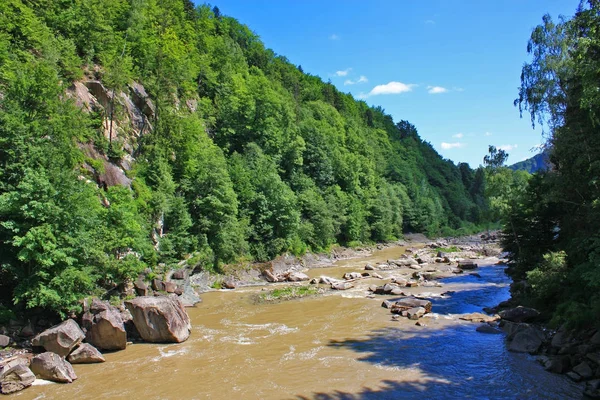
(341, 345)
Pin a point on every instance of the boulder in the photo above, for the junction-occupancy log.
(4, 340)
(397, 292)
(583, 369)
(170, 287)
(479, 317)
(416, 313)
(369, 267)
(574, 376)
(526, 340)
(595, 340)
(14, 378)
(61, 338)
(352, 275)
(269, 276)
(387, 304)
(467, 264)
(85, 354)
(485, 328)
(52, 367)
(227, 284)
(297, 277)
(140, 288)
(404, 262)
(105, 330)
(160, 319)
(158, 284)
(179, 274)
(341, 285)
(519, 314)
(376, 275)
(592, 389)
(328, 280)
(408, 303)
(559, 364)
(388, 287)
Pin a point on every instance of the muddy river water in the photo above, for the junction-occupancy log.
(342, 345)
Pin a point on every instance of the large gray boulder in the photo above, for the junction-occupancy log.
(160, 319)
(52, 367)
(526, 339)
(15, 377)
(61, 338)
(519, 314)
(85, 354)
(105, 329)
(408, 303)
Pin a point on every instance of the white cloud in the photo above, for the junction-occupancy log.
(455, 145)
(458, 135)
(430, 22)
(436, 89)
(392, 88)
(458, 89)
(344, 72)
(488, 134)
(362, 79)
(333, 36)
(508, 147)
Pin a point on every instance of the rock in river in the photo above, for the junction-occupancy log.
(408, 303)
(85, 354)
(52, 367)
(105, 330)
(61, 338)
(15, 377)
(519, 314)
(160, 319)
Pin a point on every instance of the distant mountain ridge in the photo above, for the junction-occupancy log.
(539, 162)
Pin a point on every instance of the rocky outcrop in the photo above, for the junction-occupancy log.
(160, 319)
(519, 314)
(104, 327)
(15, 377)
(525, 339)
(61, 338)
(85, 354)
(52, 367)
(408, 303)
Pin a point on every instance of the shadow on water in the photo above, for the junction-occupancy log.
(457, 361)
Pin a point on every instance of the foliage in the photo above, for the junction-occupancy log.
(554, 238)
(288, 293)
(236, 154)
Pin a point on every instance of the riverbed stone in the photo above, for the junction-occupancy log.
(85, 354)
(106, 329)
(519, 314)
(4, 341)
(352, 275)
(160, 319)
(369, 267)
(592, 389)
(61, 338)
(15, 377)
(416, 313)
(526, 340)
(297, 277)
(584, 370)
(559, 364)
(52, 367)
(410, 302)
(486, 328)
(467, 264)
(341, 285)
(479, 317)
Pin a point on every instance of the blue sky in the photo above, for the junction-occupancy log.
(451, 68)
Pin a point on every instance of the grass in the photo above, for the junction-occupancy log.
(287, 293)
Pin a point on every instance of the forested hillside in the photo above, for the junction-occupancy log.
(553, 226)
(233, 153)
(537, 163)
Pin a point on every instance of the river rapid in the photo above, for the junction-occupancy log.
(342, 345)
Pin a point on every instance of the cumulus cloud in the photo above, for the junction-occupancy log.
(458, 135)
(333, 36)
(436, 89)
(455, 145)
(343, 72)
(508, 147)
(392, 88)
(362, 79)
